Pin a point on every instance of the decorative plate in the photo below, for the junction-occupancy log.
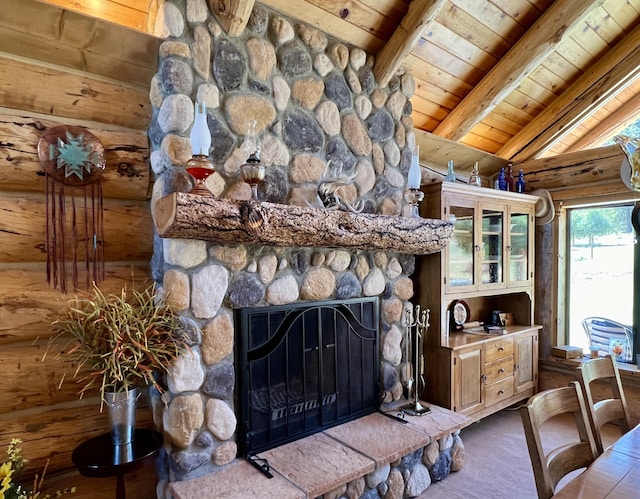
(459, 313)
(71, 155)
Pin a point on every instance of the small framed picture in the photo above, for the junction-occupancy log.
(618, 348)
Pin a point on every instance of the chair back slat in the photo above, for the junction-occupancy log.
(550, 467)
(612, 408)
(572, 457)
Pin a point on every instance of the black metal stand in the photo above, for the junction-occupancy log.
(98, 457)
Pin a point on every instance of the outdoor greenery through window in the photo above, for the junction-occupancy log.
(600, 267)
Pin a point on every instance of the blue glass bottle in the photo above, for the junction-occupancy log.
(502, 180)
(520, 184)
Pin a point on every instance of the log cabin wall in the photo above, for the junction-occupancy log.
(62, 68)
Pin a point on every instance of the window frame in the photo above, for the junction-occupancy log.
(564, 266)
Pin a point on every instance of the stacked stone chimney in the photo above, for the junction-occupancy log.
(316, 103)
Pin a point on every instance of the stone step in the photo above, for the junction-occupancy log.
(359, 454)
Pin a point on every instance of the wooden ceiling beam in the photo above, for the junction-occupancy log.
(233, 15)
(420, 15)
(616, 121)
(525, 55)
(613, 72)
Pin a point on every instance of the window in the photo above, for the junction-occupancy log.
(600, 274)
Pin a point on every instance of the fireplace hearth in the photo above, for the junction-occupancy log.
(303, 368)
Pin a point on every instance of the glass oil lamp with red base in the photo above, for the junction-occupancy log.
(200, 166)
(252, 171)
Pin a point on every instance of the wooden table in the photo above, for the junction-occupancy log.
(98, 457)
(614, 475)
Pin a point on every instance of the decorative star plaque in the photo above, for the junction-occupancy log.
(71, 155)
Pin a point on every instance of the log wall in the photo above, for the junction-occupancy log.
(48, 416)
(48, 81)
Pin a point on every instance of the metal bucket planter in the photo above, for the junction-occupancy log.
(122, 415)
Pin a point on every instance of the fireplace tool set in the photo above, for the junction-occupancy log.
(416, 330)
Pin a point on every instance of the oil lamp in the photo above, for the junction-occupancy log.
(199, 166)
(252, 171)
(414, 195)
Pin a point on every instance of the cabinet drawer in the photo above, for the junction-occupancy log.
(496, 349)
(498, 391)
(499, 369)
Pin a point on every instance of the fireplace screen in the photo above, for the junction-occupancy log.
(304, 367)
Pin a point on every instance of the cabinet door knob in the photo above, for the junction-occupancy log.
(500, 349)
(516, 367)
(501, 370)
(500, 392)
(477, 247)
(483, 378)
(509, 249)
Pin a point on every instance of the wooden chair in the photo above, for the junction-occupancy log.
(607, 410)
(550, 467)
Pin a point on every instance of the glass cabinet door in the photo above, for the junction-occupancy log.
(461, 261)
(518, 248)
(492, 268)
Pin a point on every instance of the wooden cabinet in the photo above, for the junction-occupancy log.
(499, 369)
(487, 374)
(526, 366)
(469, 370)
(489, 263)
(491, 244)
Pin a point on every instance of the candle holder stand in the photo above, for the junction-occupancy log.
(414, 197)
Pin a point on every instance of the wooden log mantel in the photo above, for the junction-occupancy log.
(190, 216)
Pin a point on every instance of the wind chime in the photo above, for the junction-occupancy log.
(73, 160)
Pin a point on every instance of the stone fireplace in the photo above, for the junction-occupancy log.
(316, 103)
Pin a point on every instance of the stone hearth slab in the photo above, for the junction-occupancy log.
(379, 437)
(438, 422)
(317, 464)
(322, 462)
(238, 480)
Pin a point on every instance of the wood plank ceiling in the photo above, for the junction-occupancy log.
(516, 78)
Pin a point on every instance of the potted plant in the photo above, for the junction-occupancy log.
(121, 343)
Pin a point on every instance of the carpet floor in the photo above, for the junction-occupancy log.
(497, 464)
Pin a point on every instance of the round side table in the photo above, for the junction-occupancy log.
(98, 457)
